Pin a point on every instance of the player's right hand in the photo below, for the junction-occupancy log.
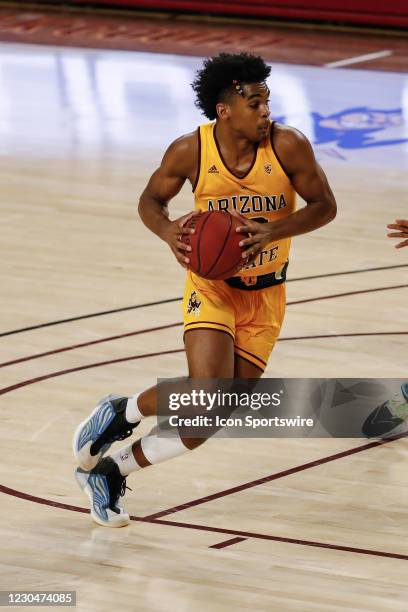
(173, 235)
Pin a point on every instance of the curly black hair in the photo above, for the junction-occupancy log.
(214, 81)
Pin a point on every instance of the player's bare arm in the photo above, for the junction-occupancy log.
(179, 163)
(310, 182)
(401, 225)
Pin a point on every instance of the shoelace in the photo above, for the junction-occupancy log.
(118, 492)
(123, 488)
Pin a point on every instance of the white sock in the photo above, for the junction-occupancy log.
(157, 449)
(133, 414)
(125, 460)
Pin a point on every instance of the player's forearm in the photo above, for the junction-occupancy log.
(305, 220)
(154, 214)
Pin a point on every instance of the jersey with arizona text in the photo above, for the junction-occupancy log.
(264, 194)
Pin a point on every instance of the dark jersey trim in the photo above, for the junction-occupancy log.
(238, 348)
(230, 331)
(249, 361)
(224, 162)
(221, 331)
(274, 150)
(198, 159)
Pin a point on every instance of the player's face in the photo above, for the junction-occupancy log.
(249, 114)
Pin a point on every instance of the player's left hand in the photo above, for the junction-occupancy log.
(402, 226)
(259, 235)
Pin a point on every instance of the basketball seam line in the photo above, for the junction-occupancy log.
(223, 246)
(199, 241)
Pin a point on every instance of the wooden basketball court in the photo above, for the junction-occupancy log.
(91, 305)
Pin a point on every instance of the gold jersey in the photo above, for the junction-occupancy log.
(264, 194)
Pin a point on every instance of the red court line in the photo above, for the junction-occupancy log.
(31, 381)
(151, 329)
(262, 536)
(90, 343)
(349, 335)
(178, 299)
(330, 297)
(228, 543)
(276, 476)
(41, 500)
(142, 331)
(238, 534)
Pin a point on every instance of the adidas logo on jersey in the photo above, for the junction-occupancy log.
(213, 170)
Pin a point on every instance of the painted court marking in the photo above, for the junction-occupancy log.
(179, 323)
(358, 59)
(228, 543)
(241, 535)
(156, 518)
(260, 481)
(178, 299)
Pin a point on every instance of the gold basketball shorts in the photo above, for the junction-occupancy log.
(252, 318)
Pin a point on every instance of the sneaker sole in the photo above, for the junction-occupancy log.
(82, 481)
(93, 459)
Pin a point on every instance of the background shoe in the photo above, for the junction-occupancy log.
(389, 416)
(106, 424)
(104, 485)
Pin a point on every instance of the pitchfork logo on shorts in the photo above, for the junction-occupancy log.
(194, 304)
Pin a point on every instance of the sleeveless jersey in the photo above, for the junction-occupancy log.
(263, 194)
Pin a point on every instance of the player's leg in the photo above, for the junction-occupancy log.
(259, 320)
(115, 417)
(206, 304)
(210, 353)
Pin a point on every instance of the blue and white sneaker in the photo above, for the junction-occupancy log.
(389, 417)
(104, 485)
(106, 424)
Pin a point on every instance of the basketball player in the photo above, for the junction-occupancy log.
(251, 166)
(392, 414)
(402, 226)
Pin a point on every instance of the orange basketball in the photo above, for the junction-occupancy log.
(215, 253)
